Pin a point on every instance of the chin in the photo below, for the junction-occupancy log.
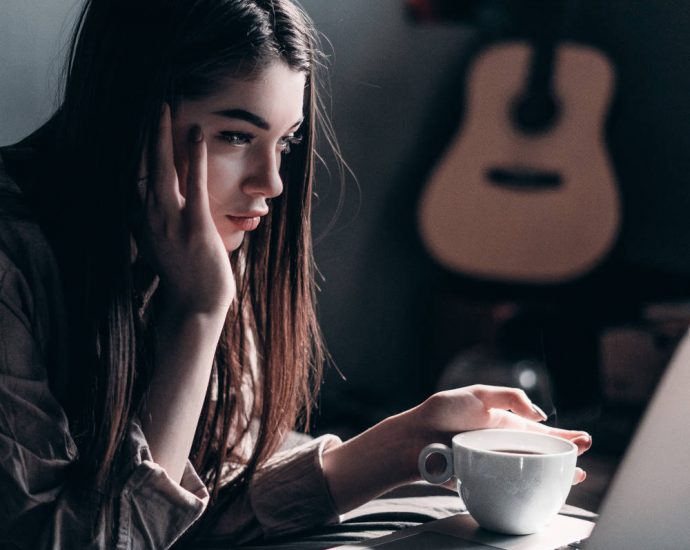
(233, 242)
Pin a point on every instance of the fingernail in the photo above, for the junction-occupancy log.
(539, 412)
(195, 134)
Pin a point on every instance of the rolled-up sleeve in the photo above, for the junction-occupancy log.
(287, 495)
(42, 505)
(154, 510)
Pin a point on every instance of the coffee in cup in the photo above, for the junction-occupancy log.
(512, 481)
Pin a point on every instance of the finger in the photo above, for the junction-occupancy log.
(163, 182)
(513, 399)
(196, 196)
(583, 442)
(579, 476)
(499, 418)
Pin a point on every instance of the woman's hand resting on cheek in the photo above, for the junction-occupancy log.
(179, 237)
(385, 456)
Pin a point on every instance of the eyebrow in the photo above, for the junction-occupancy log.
(252, 118)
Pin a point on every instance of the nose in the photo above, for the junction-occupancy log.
(265, 180)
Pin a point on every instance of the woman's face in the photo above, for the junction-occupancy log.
(248, 127)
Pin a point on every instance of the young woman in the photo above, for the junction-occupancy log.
(158, 340)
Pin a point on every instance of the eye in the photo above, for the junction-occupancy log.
(287, 141)
(236, 138)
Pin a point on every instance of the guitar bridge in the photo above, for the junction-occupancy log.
(524, 179)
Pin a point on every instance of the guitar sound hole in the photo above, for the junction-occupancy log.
(524, 179)
(536, 113)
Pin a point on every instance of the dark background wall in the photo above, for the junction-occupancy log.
(396, 92)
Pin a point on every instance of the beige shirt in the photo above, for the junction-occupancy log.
(39, 504)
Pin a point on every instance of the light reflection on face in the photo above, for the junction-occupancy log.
(248, 126)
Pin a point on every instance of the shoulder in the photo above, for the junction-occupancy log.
(21, 238)
(29, 277)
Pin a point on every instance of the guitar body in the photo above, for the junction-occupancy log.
(480, 215)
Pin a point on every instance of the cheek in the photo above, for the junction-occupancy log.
(223, 181)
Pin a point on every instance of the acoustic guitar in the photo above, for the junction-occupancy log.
(525, 191)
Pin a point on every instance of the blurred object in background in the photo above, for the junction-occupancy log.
(480, 366)
(433, 11)
(503, 358)
(634, 355)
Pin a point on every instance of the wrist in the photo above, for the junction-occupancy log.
(172, 308)
(186, 341)
(380, 459)
(174, 303)
(414, 436)
(401, 438)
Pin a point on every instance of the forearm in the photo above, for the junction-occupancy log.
(374, 462)
(185, 347)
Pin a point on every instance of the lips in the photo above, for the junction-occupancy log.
(245, 223)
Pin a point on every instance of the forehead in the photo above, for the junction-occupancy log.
(275, 93)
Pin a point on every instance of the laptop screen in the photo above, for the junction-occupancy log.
(648, 501)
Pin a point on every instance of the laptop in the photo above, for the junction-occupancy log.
(647, 505)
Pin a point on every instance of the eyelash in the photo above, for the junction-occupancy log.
(236, 138)
(288, 141)
(241, 138)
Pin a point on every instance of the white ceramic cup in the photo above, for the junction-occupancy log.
(514, 492)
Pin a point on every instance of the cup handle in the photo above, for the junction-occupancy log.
(446, 474)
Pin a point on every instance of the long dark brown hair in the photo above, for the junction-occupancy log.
(126, 59)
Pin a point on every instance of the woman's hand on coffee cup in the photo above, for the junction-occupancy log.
(386, 455)
(447, 413)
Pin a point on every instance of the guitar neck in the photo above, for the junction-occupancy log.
(546, 29)
(537, 107)
(540, 82)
